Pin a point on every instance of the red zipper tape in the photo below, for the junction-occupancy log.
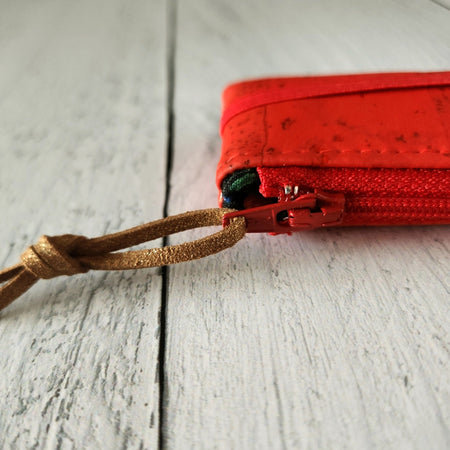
(372, 196)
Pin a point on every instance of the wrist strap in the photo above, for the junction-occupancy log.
(69, 254)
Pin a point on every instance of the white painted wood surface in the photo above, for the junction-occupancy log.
(330, 339)
(82, 147)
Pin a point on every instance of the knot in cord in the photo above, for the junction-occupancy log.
(51, 256)
(69, 254)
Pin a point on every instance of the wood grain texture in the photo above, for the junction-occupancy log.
(330, 339)
(83, 101)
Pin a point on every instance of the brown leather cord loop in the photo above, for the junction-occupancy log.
(69, 254)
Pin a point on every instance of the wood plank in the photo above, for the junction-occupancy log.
(329, 339)
(82, 150)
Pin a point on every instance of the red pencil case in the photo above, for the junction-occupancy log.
(308, 152)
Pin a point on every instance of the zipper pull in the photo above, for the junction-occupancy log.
(306, 212)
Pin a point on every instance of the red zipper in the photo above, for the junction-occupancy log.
(396, 211)
(322, 197)
(313, 210)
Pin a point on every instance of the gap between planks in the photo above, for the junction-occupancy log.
(171, 49)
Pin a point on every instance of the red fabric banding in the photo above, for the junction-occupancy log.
(392, 121)
(241, 97)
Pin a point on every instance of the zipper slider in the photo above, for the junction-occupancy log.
(313, 210)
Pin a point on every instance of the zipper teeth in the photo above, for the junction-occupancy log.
(372, 196)
(422, 206)
(396, 211)
(358, 182)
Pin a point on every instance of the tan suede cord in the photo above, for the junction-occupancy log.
(69, 254)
